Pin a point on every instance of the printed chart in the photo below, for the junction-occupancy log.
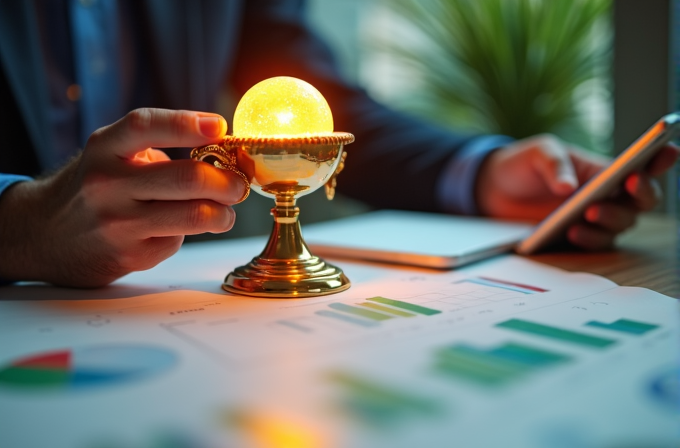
(402, 359)
(86, 367)
(315, 326)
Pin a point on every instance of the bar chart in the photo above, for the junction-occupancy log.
(556, 333)
(496, 366)
(510, 361)
(373, 402)
(374, 310)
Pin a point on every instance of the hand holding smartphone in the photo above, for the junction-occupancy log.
(634, 158)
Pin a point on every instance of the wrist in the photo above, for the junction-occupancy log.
(19, 241)
(483, 188)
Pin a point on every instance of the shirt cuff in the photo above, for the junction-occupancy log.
(456, 185)
(7, 180)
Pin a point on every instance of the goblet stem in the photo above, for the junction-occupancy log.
(285, 241)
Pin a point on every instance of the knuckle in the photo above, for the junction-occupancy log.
(547, 144)
(95, 137)
(547, 140)
(140, 120)
(180, 122)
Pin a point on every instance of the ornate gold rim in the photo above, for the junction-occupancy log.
(336, 138)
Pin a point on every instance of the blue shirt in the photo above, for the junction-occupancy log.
(81, 42)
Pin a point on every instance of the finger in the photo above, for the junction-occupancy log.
(151, 251)
(551, 161)
(663, 160)
(183, 180)
(645, 191)
(590, 237)
(611, 217)
(171, 218)
(586, 164)
(159, 128)
(144, 254)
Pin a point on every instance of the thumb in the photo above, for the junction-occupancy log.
(552, 163)
(159, 128)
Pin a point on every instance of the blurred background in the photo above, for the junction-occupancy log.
(594, 72)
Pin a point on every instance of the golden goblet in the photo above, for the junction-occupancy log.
(283, 166)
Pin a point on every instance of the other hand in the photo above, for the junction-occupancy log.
(120, 206)
(530, 178)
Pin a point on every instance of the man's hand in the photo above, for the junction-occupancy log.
(530, 178)
(120, 206)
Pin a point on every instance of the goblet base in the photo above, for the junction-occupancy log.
(286, 279)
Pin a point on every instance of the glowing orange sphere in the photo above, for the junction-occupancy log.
(282, 107)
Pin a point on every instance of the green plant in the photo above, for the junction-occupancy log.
(503, 66)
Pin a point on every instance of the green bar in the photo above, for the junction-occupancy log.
(471, 373)
(385, 309)
(528, 355)
(360, 311)
(472, 356)
(378, 394)
(405, 306)
(460, 366)
(556, 333)
(625, 326)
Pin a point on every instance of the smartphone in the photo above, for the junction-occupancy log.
(634, 158)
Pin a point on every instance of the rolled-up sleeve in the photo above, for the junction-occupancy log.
(456, 186)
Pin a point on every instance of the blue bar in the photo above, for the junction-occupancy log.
(624, 326)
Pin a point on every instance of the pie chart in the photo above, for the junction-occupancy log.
(86, 367)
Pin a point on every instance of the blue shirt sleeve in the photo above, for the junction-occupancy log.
(7, 180)
(456, 187)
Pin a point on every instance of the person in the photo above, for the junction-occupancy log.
(71, 71)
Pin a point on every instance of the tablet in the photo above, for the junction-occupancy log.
(602, 185)
(414, 238)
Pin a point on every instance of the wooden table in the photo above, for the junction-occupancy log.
(647, 256)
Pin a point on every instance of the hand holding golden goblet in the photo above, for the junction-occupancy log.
(283, 147)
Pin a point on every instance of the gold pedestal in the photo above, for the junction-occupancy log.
(283, 169)
(286, 268)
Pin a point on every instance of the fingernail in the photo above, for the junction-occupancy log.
(212, 127)
(633, 184)
(592, 213)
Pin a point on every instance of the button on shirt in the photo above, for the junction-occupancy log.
(82, 54)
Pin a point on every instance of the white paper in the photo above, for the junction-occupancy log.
(230, 371)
